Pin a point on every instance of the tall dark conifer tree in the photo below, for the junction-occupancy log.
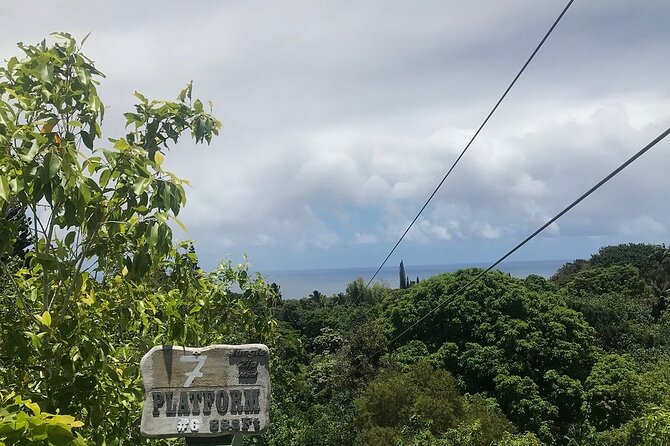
(403, 276)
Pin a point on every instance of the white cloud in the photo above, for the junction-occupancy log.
(643, 224)
(365, 238)
(341, 121)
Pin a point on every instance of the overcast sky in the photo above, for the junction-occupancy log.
(341, 117)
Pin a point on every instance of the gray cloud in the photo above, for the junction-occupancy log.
(340, 119)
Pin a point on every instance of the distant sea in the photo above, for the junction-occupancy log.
(298, 284)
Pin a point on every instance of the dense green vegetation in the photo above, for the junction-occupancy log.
(581, 358)
(90, 279)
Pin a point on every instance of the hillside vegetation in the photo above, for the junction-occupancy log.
(581, 358)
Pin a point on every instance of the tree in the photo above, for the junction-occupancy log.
(403, 276)
(423, 406)
(393, 399)
(103, 280)
(640, 255)
(498, 337)
(566, 272)
(613, 392)
(618, 302)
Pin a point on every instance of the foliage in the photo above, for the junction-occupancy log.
(103, 281)
(566, 272)
(613, 393)
(639, 255)
(513, 345)
(22, 423)
(422, 406)
(15, 226)
(618, 302)
(520, 440)
(400, 400)
(527, 348)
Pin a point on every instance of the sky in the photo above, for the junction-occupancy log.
(340, 118)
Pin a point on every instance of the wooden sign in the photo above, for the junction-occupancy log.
(206, 392)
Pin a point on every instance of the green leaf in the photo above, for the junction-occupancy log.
(141, 185)
(28, 157)
(87, 138)
(186, 92)
(45, 318)
(49, 125)
(104, 177)
(52, 163)
(197, 106)
(46, 73)
(69, 238)
(83, 41)
(84, 75)
(180, 224)
(141, 97)
(34, 407)
(121, 144)
(4, 188)
(153, 234)
(85, 192)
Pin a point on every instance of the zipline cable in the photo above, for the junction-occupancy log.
(495, 107)
(629, 161)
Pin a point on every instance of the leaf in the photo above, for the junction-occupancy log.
(153, 235)
(4, 188)
(121, 144)
(49, 125)
(158, 158)
(179, 222)
(87, 138)
(45, 73)
(85, 191)
(83, 41)
(141, 185)
(44, 319)
(69, 238)
(35, 340)
(28, 157)
(104, 177)
(34, 407)
(186, 92)
(141, 97)
(52, 162)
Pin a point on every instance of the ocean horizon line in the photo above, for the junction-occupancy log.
(299, 283)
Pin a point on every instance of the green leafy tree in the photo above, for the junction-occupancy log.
(103, 280)
(393, 399)
(422, 406)
(618, 302)
(566, 272)
(527, 349)
(640, 255)
(613, 392)
(22, 423)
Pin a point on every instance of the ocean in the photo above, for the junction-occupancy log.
(299, 284)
